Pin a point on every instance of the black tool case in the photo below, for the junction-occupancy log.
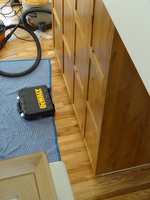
(35, 102)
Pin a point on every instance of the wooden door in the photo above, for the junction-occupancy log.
(102, 35)
(99, 53)
(81, 68)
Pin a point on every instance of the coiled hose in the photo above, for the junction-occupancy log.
(37, 60)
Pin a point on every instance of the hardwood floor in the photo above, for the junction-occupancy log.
(133, 184)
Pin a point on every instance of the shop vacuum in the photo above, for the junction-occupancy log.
(36, 13)
(15, 3)
(36, 16)
(34, 102)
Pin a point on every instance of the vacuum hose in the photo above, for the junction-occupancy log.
(7, 74)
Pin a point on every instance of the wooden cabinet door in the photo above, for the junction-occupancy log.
(102, 35)
(100, 53)
(82, 33)
(94, 106)
(81, 59)
(95, 96)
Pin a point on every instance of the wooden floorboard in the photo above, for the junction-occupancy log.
(132, 185)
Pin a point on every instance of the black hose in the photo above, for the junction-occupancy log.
(33, 67)
(32, 10)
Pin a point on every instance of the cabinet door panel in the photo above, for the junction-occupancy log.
(102, 35)
(95, 97)
(81, 59)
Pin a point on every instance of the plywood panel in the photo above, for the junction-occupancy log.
(126, 119)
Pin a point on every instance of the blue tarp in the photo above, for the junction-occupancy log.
(18, 136)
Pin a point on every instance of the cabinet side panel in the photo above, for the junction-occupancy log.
(126, 120)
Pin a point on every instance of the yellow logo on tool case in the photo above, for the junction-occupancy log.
(40, 98)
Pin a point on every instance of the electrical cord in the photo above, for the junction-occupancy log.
(12, 11)
(4, 6)
(38, 58)
(15, 13)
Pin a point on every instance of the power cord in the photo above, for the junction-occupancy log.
(4, 6)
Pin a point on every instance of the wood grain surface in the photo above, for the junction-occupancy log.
(129, 185)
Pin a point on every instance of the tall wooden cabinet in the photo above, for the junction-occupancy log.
(110, 101)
